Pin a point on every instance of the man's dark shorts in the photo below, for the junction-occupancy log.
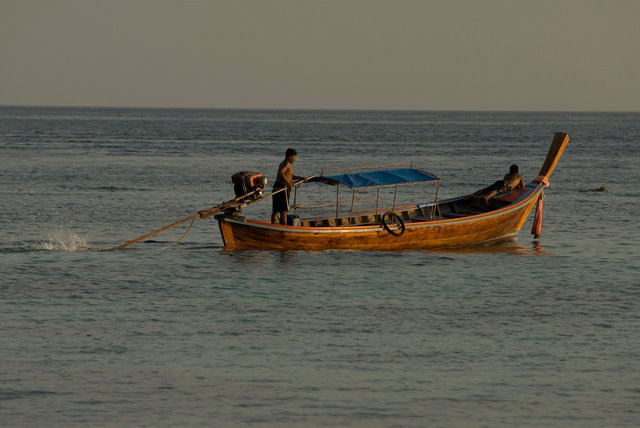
(280, 200)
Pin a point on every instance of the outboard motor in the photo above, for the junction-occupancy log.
(245, 182)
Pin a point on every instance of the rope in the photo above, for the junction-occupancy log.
(182, 237)
(543, 180)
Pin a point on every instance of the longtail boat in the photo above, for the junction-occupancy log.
(455, 222)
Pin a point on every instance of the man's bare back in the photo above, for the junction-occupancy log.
(514, 180)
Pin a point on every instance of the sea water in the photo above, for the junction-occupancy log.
(528, 333)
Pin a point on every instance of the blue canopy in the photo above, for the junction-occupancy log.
(388, 177)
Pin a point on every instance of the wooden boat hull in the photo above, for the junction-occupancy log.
(503, 223)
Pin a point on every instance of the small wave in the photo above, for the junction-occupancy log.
(117, 189)
(106, 188)
(13, 395)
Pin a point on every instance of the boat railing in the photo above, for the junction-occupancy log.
(408, 214)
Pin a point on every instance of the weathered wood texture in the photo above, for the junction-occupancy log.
(465, 231)
(471, 228)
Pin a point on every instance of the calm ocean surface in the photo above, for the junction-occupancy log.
(528, 334)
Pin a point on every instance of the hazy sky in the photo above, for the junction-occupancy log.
(369, 54)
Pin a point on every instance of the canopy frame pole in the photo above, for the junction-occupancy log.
(337, 201)
(353, 198)
(295, 201)
(436, 208)
(377, 202)
(395, 193)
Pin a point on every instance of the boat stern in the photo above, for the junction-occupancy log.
(226, 231)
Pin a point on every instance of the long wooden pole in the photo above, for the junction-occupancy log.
(233, 203)
(202, 214)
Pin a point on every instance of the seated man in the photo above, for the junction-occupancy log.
(511, 181)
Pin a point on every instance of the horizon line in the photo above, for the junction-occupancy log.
(347, 109)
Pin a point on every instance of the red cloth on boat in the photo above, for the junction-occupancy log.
(536, 230)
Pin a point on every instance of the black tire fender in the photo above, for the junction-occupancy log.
(388, 218)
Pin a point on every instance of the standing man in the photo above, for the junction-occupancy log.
(284, 180)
